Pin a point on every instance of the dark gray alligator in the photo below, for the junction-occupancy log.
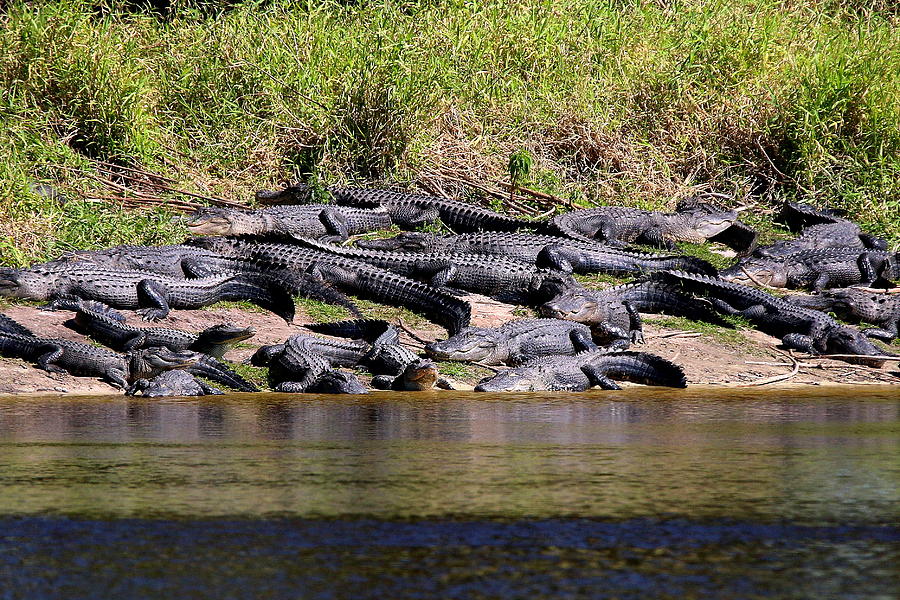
(211, 343)
(352, 276)
(67, 356)
(612, 313)
(395, 367)
(800, 215)
(615, 225)
(166, 260)
(151, 293)
(824, 235)
(172, 383)
(801, 328)
(407, 211)
(502, 278)
(296, 367)
(584, 371)
(816, 269)
(334, 223)
(545, 251)
(879, 308)
(515, 342)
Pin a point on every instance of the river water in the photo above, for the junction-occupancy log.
(631, 494)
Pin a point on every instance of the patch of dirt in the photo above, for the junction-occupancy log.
(705, 359)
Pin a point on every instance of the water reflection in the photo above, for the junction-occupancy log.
(811, 457)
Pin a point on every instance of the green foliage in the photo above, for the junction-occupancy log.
(321, 312)
(731, 337)
(463, 372)
(519, 167)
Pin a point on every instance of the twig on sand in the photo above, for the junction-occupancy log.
(678, 334)
(776, 378)
(410, 332)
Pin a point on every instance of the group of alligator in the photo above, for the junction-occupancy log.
(294, 247)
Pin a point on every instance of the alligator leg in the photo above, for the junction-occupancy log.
(866, 269)
(138, 386)
(598, 378)
(821, 282)
(383, 382)
(45, 361)
(335, 223)
(636, 327)
(117, 378)
(801, 342)
(620, 338)
(581, 341)
(135, 342)
(443, 277)
(156, 295)
(885, 335)
(555, 257)
(291, 387)
(209, 390)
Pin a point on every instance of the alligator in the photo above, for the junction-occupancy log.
(67, 356)
(739, 236)
(799, 215)
(211, 343)
(876, 307)
(502, 278)
(10, 325)
(407, 211)
(172, 383)
(165, 260)
(824, 235)
(545, 251)
(612, 313)
(584, 371)
(350, 275)
(800, 328)
(332, 223)
(615, 225)
(515, 342)
(152, 294)
(296, 367)
(395, 367)
(816, 269)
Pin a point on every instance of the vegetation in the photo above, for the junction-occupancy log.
(730, 337)
(615, 102)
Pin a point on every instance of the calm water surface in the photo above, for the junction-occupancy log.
(639, 493)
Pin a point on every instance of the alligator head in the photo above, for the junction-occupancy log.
(227, 221)
(299, 193)
(27, 283)
(757, 273)
(333, 381)
(148, 363)
(470, 344)
(520, 379)
(847, 340)
(573, 304)
(218, 337)
(712, 224)
(408, 241)
(419, 376)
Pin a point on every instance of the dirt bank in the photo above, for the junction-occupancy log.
(716, 357)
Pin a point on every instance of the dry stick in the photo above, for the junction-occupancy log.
(135, 170)
(550, 198)
(775, 378)
(683, 334)
(774, 168)
(845, 356)
(410, 332)
(755, 280)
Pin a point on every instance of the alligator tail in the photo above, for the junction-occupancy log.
(374, 331)
(265, 292)
(217, 371)
(689, 264)
(641, 367)
(656, 297)
(76, 304)
(10, 325)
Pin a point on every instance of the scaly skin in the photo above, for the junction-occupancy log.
(172, 383)
(515, 342)
(350, 275)
(66, 356)
(502, 278)
(801, 328)
(151, 293)
(546, 251)
(296, 367)
(335, 223)
(612, 313)
(165, 260)
(878, 308)
(616, 224)
(407, 211)
(816, 269)
(584, 371)
(843, 234)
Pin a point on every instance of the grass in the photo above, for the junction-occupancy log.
(463, 372)
(635, 103)
(730, 337)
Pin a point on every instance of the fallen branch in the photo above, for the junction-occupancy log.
(775, 378)
(680, 334)
(410, 332)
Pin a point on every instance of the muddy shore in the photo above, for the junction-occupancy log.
(741, 357)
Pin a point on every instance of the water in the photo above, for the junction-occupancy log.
(639, 493)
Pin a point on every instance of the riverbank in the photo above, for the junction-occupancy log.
(710, 355)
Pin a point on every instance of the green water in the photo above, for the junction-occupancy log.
(643, 490)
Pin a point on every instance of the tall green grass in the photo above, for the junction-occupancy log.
(619, 101)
